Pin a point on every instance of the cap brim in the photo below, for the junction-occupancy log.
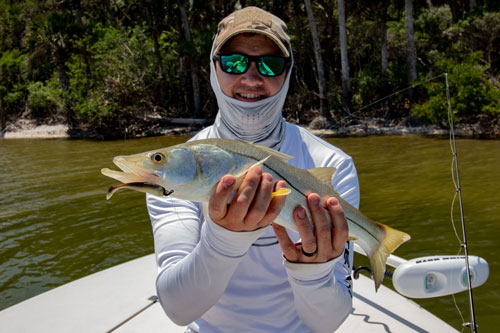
(272, 37)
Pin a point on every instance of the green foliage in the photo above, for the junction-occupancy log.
(123, 75)
(11, 65)
(471, 93)
(45, 99)
(12, 83)
(107, 63)
(429, 27)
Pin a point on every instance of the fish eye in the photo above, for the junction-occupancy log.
(158, 158)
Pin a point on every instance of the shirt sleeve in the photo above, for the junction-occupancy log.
(322, 300)
(323, 292)
(345, 182)
(195, 256)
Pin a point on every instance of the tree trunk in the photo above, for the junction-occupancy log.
(456, 11)
(329, 21)
(63, 78)
(154, 15)
(383, 48)
(323, 100)
(3, 122)
(346, 85)
(192, 65)
(410, 41)
(156, 44)
(78, 12)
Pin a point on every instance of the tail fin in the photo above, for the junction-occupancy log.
(392, 240)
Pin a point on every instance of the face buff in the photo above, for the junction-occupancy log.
(259, 122)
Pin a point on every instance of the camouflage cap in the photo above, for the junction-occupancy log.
(253, 20)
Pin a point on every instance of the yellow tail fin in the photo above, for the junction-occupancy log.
(392, 240)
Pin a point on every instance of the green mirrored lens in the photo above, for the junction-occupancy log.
(235, 63)
(239, 64)
(271, 66)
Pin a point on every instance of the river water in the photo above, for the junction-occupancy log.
(56, 226)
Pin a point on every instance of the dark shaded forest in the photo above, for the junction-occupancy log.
(108, 67)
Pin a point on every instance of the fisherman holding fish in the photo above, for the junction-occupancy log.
(226, 269)
(211, 201)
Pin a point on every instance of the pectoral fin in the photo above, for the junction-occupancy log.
(239, 176)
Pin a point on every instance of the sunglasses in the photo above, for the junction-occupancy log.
(239, 63)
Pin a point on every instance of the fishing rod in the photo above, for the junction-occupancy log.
(398, 261)
(459, 191)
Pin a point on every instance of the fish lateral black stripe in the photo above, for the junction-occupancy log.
(361, 227)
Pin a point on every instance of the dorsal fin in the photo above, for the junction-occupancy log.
(324, 174)
(276, 153)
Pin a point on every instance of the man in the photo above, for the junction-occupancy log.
(227, 270)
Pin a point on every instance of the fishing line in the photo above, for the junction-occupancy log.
(176, 212)
(455, 300)
(459, 312)
(353, 114)
(452, 219)
(174, 205)
(454, 182)
(453, 224)
(399, 91)
(459, 191)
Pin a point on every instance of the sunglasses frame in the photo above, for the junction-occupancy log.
(256, 59)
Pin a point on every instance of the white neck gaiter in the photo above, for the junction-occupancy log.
(258, 122)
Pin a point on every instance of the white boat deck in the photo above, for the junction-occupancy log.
(118, 300)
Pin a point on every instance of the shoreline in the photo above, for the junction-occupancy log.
(39, 132)
(28, 129)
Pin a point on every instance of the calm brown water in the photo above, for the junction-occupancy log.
(56, 226)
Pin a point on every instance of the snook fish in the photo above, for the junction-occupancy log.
(192, 170)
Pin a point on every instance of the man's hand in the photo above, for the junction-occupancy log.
(251, 208)
(321, 241)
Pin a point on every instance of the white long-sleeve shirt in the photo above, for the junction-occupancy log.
(217, 280)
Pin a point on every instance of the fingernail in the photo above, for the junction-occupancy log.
(268, 177)
(332, 202)
(280, 184)
(301, 213)
(314, 200)
(257, 170)
(228, 181)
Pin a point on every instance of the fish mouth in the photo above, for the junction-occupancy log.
(134, 178)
